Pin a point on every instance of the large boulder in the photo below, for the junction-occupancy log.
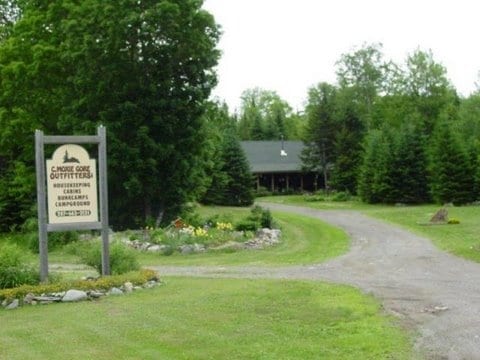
(74, 295)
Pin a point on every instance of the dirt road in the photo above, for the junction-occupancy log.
(435, 294)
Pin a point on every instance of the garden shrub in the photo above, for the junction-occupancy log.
(262, 216)
(14, 268)
(55, 239)
(219, 218)
(341, 196)
(122, 258)
(266, 219)
(247, 225)
(259, 217)
(59, 239)
(158, 236)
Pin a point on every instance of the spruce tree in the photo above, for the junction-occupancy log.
(348, 151)
(452, 176)
(408, 175)
(233, 183)
(318, 154)
(374, 184)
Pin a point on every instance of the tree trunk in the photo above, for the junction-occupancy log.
(324, 168)
(161, 212)
(147, 209)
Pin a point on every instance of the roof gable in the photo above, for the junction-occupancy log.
(265, 156)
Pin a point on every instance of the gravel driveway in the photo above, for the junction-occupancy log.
(433, 293)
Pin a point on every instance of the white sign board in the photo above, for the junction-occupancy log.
(71, 186)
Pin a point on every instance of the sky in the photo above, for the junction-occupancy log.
(288, 46)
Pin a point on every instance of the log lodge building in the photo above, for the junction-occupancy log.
(277, 166)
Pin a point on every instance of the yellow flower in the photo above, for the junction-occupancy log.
(224, 226)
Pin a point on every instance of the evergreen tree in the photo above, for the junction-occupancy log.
(408, 168)
(451, 172)
(319, 152)
(235, 187)
(347, 145)
(374, 184)
(217, 122)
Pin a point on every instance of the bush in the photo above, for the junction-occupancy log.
(55, 239)
(262, 216)
(259, 217)
(341, 196)
(247, 225)
(14, 269)
(219, 218)
(122, 258)
(59, 239)
(454, 221)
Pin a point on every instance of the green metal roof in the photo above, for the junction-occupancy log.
(265, 156)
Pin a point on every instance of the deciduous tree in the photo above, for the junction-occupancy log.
(142, 68)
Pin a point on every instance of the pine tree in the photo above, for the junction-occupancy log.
(408, 175)
(348, 152)
(318, 154)
(232, 183)
(374, 183)
(452, 175)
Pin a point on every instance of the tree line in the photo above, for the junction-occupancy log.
(391, 133)
(145, 70)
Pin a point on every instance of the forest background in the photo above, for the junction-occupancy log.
(388, 132)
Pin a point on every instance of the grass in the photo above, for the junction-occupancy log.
(304, 241)
(461, 240)
(210, 319)
(299, 200)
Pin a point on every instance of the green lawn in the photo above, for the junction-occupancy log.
(209, 319)
(322, 205)
(461, 240)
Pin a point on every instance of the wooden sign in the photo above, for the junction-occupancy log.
(71, 186)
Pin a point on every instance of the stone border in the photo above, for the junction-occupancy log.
(74, 295)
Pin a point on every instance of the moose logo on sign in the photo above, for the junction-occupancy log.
(67, 159)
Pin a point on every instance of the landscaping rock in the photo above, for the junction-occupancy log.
(156, 248)
(28, 298)
(191, 248)
(74, 295)
(150, 284)
(263, 238)
(45, 299)
(441, 216)
(13, 305)
(128, 287)
(95, 294)
(115, 291)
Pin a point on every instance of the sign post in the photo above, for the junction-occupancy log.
(71, 191)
